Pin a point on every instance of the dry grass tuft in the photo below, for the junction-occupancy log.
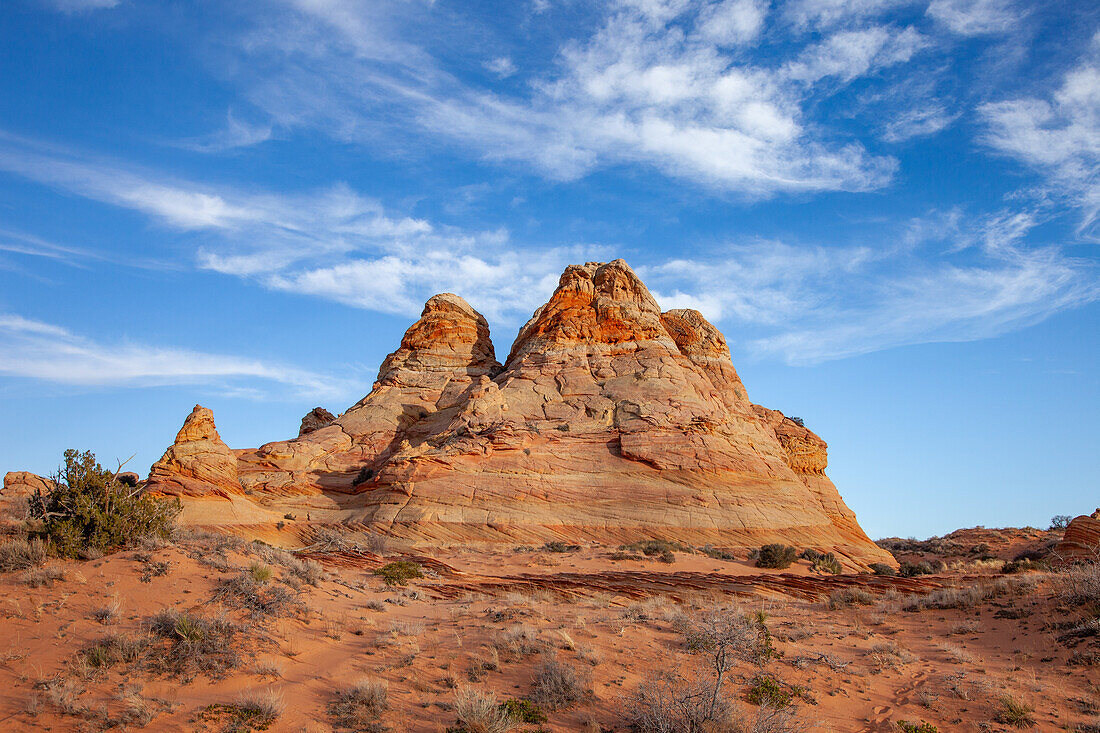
(558, 685)
(360, 706)
(478, 712)
(21, 554)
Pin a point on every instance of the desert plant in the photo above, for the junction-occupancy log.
(1024, 565)
(922, 727)
(360, 706)
(558, 685)
(115, 649)
(776, 556)
(262, 707)
(1013, 712)
(21, 554)
(194, 644)
(850, 597)
(42, 577)
(716, 553)
(89, 509)
(557, 546)
(1078, 585)
(766, 690)
(478, 712)
(881, 568)
(1060, 521)
(827, 563)
(399, 572)
(260, 573)
(523, 711)
(245, 591)
(909, 570)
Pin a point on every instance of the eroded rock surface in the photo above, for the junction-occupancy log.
(315, 419)
(610, 421)
(1081, 541)
(198, 463)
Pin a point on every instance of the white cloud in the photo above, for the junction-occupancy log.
(236, 134)
(502, 66)
(918, 122)
(334, 243)
(815, 304)
(732, 22)
(1059, 137)
(827, 14)
(43, 351)
(660, 84)
(976, 17)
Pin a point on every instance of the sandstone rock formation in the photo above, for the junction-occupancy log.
(198, 463)
(1081, 541)
(19, 486)
(315, 419)
(610, 421)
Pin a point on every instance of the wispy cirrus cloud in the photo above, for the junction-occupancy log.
(47, 352)
(334, 243)
(662, 85)
(1058, 136)
(942, 281)
(976, 17)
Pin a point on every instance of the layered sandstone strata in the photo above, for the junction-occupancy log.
(610, 421)
(1081, 541)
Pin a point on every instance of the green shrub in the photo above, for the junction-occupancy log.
(361, 705)
(921, 727)
(716, 553)
(657, 547)
(89, 510)
(560, 547)
(765, 690)
(881, 568)
(523, 711)
(399, 572)
(1024, 566)
(775, 556)
(909, 570)
(827, 563)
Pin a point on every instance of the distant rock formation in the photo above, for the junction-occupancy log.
(19, 486)
(610, 421)
(315, 419)
(198, 463)
(1081, 540)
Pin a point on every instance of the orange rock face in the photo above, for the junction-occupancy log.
(610, 421)
(1081, 541)
(198, 463)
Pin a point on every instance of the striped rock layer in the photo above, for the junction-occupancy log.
(610, 421)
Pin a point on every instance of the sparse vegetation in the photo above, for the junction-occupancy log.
(360, 706)
(881, 568)
(557, 546)
(1024, 565)
(399, 572)
(478, 712)
(1079, 585)
(21, 554)
(558, 685)
(906, 727)
(850, 597)
(1011, 711)
(90, 510)
(1059, 522)
(523, 711)
(968, 596)
(246, 592)
(776, 556)
(195, 644)
(766, 690)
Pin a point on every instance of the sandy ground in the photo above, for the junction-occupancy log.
(857, 667)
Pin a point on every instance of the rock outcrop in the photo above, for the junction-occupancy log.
(19, 486)
(198, 463)
(315, 419)
(1080, 542)
(610, 421)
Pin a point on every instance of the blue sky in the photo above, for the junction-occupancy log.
(890, 208)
